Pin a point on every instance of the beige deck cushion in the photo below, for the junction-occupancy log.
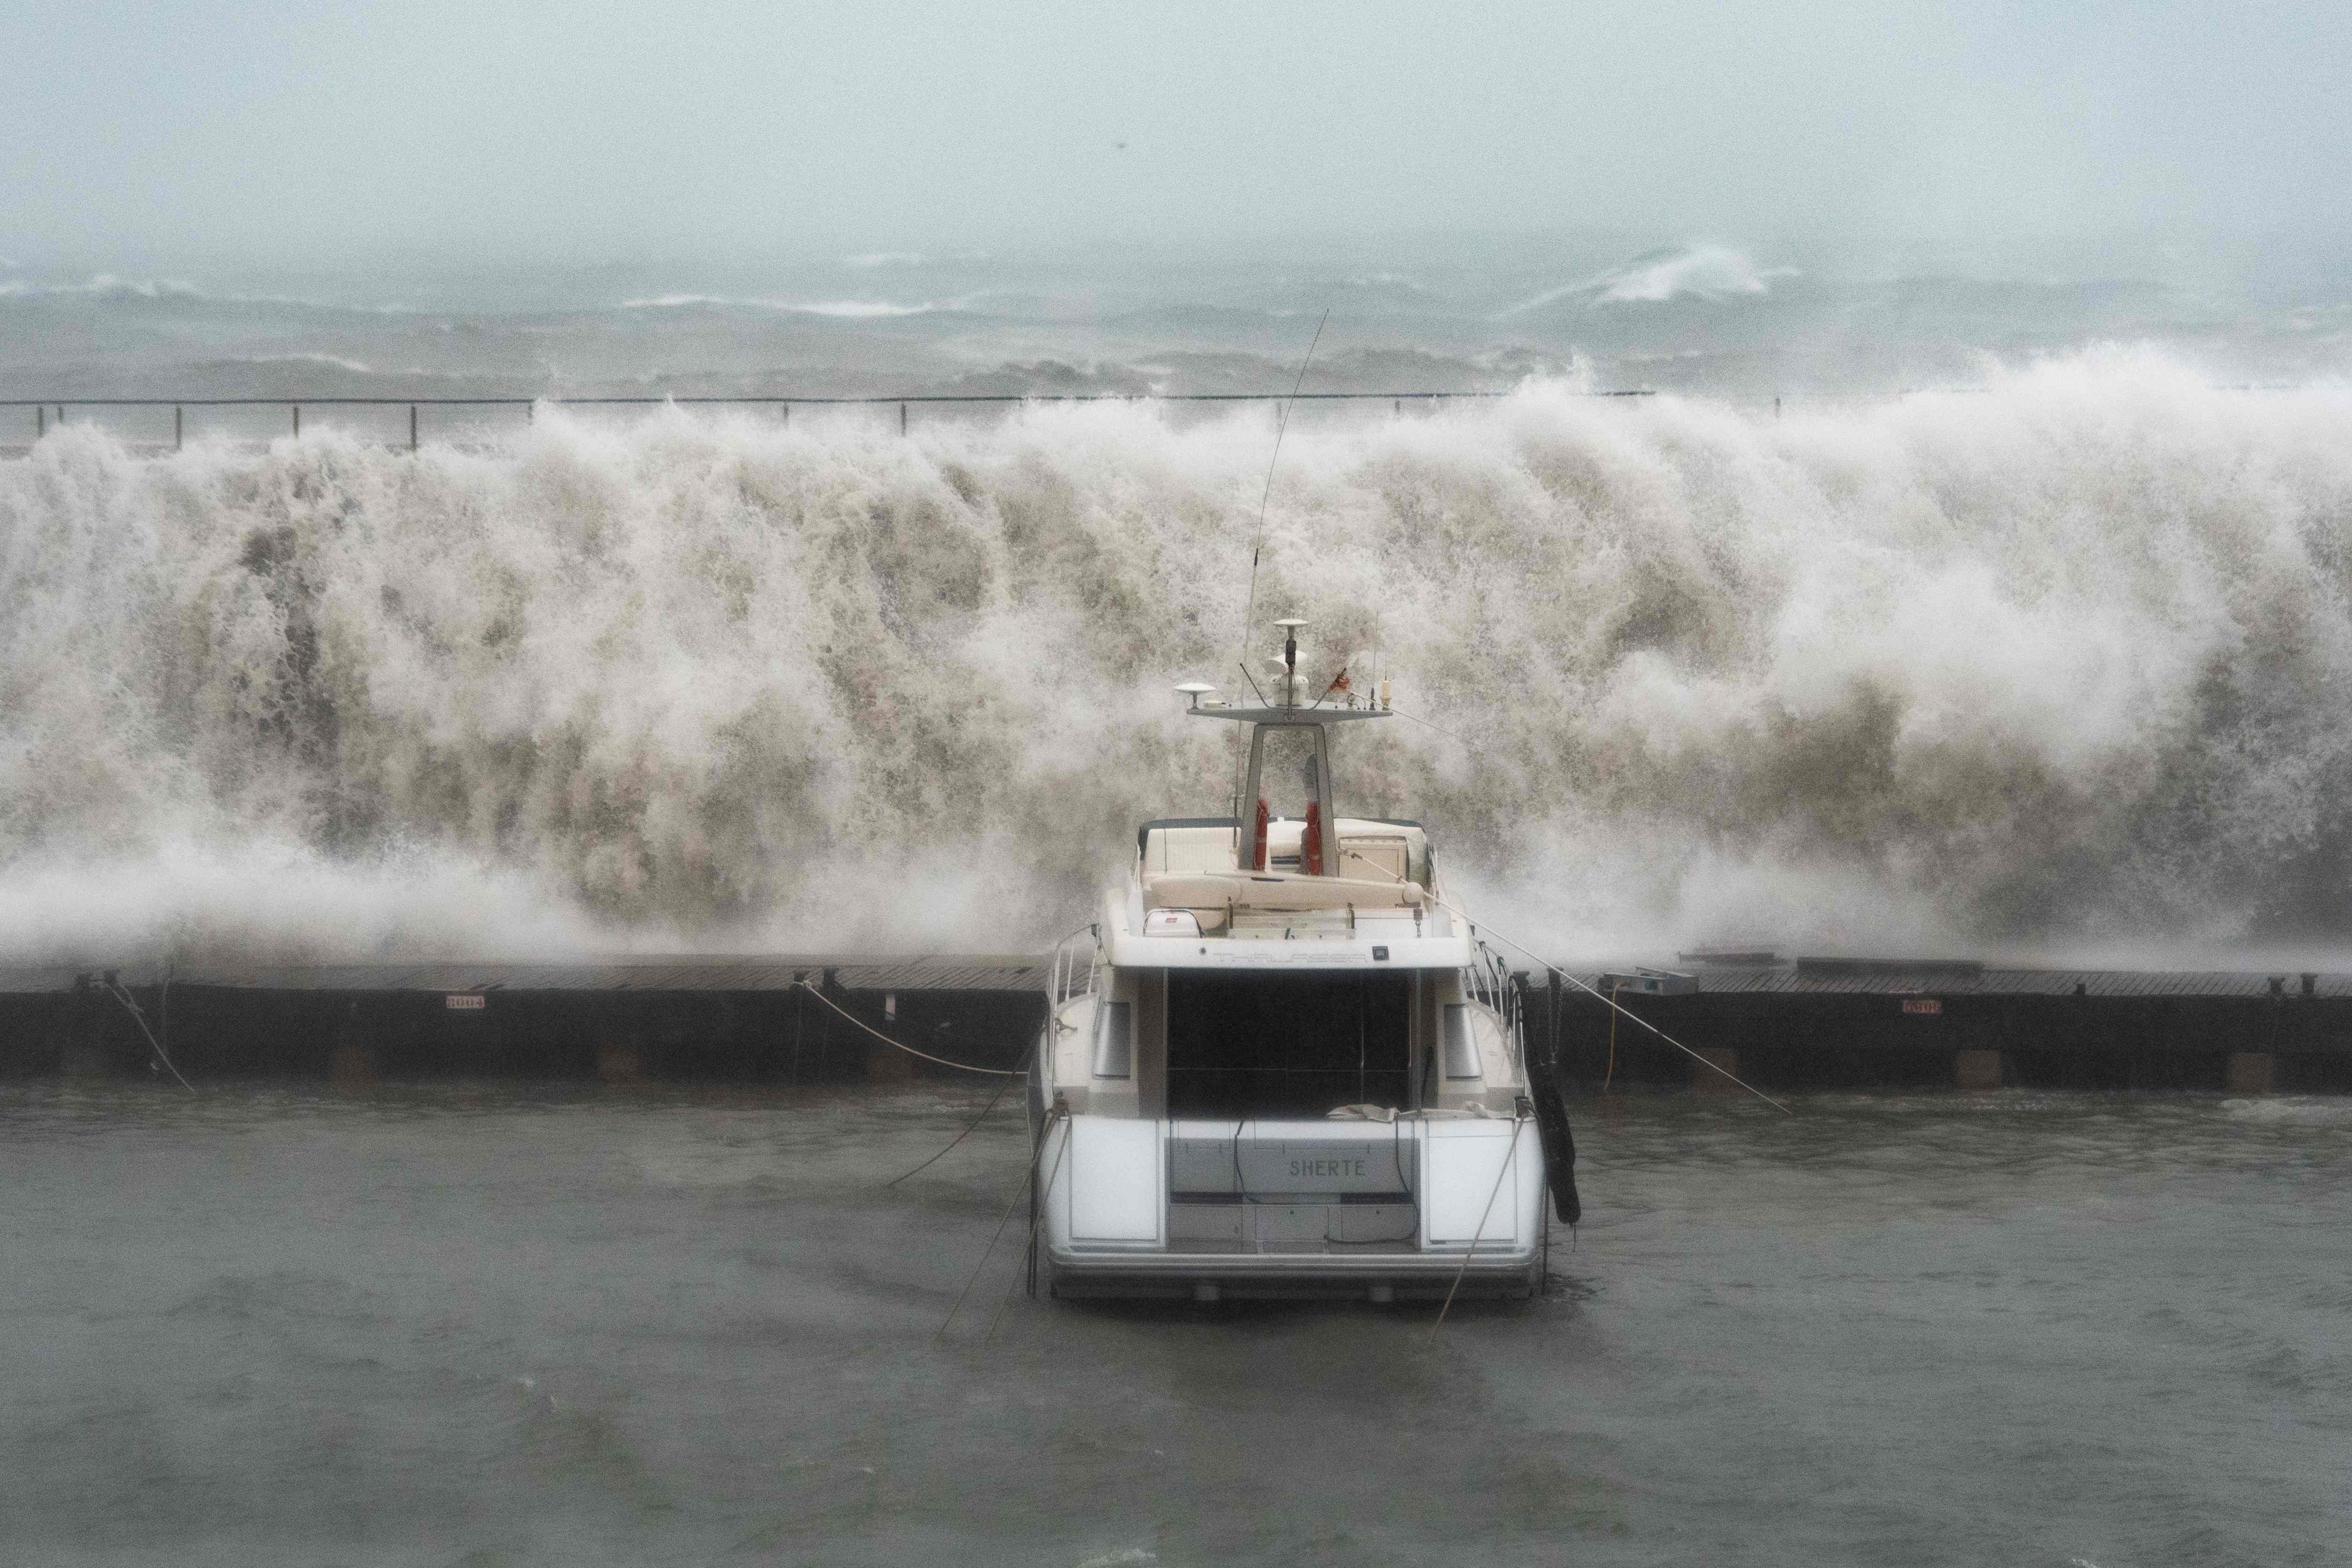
(1325, 893)
(1175, 892)
(1369, 851)
(1188, 851)
(1375, 858)
(1276, 892)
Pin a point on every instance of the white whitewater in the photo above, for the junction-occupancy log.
(2063, 665)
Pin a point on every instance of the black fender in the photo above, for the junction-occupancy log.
(1551, 1121)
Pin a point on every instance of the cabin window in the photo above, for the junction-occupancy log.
(1114, 1040)
(1287, 1044)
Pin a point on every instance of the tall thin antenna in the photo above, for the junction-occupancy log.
(1281, 425)
(1257, 548)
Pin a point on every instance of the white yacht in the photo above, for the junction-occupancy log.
(1280, 1063)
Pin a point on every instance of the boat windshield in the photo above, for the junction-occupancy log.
(1287, 1044)
(1288, 779)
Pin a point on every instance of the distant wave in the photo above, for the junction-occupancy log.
(106, 283)
(852, 309)
(1693, 272)
(886, 258)
(1707, 272)
(104, 286)
(333, 361)
(866, 309)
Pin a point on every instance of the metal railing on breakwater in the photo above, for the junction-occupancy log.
(43, 410)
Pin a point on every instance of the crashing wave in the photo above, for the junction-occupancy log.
(846, 309)
(2060, 662)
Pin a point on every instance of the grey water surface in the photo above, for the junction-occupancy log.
(492, 1324)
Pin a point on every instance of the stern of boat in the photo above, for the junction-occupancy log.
(1337, 1129)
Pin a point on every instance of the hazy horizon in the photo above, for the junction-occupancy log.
(134, 134)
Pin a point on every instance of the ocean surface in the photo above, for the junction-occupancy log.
(1429, 313)
(508, 1324)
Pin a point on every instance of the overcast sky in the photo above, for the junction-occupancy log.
(596, 129)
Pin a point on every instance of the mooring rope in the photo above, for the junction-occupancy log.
(1029, 1250)
(964, 1066)
(119, 994)
(1553, 968)
(1509, 1155)
(958, 1138)
(1054, 1114)
(1610, 1076)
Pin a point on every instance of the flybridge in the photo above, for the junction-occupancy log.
(1316, 857)
(1334, 890)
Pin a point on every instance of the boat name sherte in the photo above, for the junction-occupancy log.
(1326, 1167)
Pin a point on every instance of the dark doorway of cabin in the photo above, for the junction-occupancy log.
(1287, 1044)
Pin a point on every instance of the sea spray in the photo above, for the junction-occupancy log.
(2061, 663)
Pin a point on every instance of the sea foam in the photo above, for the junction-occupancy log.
(2062, 662)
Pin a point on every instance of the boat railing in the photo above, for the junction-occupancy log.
(1073, 969)
(1488, 981)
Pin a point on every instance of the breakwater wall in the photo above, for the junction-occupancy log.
(1835, 1023)
(1807, 1024)
(767, 1020)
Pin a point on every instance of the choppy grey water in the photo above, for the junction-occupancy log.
(490, 1325)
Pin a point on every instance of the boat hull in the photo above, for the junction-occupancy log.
(1210, 1277)
(1414, 1207)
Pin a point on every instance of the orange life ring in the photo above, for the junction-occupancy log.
(1257, 844)
(1311, 846)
